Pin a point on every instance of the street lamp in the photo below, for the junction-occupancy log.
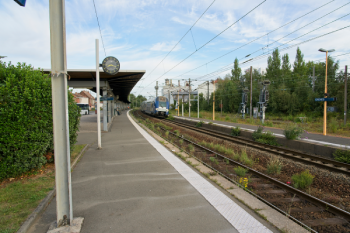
(325, 92)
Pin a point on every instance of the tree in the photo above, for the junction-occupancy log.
(273, 70)
(236, 72)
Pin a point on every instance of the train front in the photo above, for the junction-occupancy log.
(162, 106)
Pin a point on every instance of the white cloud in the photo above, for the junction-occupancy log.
(165, 46)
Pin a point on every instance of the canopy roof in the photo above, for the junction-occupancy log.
(120, 84)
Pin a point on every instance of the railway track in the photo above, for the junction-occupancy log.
(317, 161)
(276, 193)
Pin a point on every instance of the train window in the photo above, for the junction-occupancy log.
(162, 104)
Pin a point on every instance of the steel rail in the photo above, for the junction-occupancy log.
(327, 206)
(328, 164)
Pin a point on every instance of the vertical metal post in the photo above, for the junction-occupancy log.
(182, 107)
(345, 93)
(198, 102)
(214, 101)
(189, 97)
(64, 207)
(98, 96)
(104, 94)
(251, 93)
(178, 103)
(325, 102)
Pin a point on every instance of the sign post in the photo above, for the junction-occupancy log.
(99, 146)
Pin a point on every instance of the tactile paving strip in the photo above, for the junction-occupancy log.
(237, 216)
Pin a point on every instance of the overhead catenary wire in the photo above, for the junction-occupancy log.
(206, 43)
(257, 38)
(181, 39)
(98, 22)
(228, 67)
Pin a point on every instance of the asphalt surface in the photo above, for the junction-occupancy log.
(129, 187)
(310, 136)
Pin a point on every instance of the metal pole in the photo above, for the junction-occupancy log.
(214, 101)
(104, 93)
(345, 94)
(251, 93)
(178, 103)
(98, 96)
(189, 97)
(325, 102)
(64, 207)
(198, 101)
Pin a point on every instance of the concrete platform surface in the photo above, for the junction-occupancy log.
(128, 186)
(342, 142)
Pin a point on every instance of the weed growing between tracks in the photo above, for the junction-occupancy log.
(327, 186)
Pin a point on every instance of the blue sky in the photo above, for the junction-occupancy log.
(141, 32)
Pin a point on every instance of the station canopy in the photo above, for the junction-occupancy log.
(120, 84)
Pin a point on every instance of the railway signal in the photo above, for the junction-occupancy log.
(244, 101)
(263, 99)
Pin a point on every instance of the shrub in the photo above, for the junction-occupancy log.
(302, 180)
(199, 124)
(342, 156)
(274, 166)
(265, 138)
(292, 132)
(236, 131)
(240, 171)
(227, 118)
(170, 117)
(26, 128)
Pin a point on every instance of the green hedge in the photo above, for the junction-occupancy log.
(26, 131)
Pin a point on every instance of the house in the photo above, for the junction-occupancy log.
(91, 99)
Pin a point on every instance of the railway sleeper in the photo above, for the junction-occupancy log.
(284, 200)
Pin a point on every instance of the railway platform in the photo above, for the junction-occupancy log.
(341, 142)
(135, 184)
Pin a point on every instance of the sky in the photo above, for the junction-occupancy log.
(140, 33)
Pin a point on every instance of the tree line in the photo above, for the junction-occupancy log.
(292, 88)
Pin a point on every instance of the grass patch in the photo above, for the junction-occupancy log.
(302, 180)
(199, 124)
(245, 159)
(264, 137)
(76, 151)
(342, 156)
(236, 131)
(20, 198)
(240, 171)
(170, 117)
(274, 166)
(214, 160)
(191, 147)
(177, 132)
(292, 132)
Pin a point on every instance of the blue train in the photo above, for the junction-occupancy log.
(156, 107)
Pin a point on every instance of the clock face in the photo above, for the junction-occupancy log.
(111, 65)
